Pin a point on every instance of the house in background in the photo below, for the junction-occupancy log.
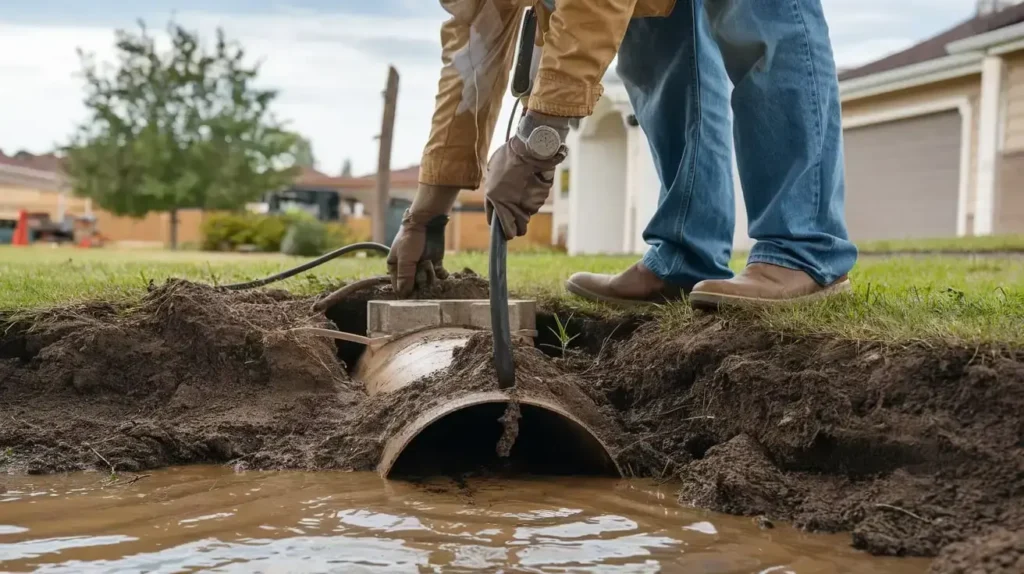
(36, 183)
(934, 147)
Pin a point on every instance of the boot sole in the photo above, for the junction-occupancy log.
(715, 301)
(591, 296)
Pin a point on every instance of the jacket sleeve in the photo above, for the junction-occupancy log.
(580, 40)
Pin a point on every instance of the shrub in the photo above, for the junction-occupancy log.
(295, 233)
(229, 231)
(339, 235)
(305, 237)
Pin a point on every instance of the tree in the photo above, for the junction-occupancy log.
(303, 153)
(177, 129)
(346, 168)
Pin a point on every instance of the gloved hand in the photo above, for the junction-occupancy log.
(518, 179)
(417, 253)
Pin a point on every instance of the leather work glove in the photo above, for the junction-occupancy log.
(521, 173)
(417, 253)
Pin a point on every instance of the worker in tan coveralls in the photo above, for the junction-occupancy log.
(676, 59)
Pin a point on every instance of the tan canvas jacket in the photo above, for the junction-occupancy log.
(579, 41)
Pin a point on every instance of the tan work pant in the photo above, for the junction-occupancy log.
(478, 44)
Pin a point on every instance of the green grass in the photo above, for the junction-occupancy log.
(982, 244)
(965, 299)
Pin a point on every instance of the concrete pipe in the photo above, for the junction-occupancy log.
(417, 339)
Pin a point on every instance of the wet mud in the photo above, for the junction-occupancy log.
(913, 449)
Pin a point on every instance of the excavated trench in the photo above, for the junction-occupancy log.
(914, 449)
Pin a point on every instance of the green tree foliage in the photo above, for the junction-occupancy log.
(303, 153)
(177, 128)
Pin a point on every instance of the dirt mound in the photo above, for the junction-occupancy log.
(189, 374)
(737, 477)
(909, 448)
(1001, 552)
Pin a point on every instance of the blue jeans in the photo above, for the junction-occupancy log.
(788, 136)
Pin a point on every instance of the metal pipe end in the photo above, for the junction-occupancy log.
(463, 435)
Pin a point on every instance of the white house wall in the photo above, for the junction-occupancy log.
(594, 168)
(597, 188)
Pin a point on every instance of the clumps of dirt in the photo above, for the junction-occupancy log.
(737, 477)
(910, 448)
(509, 429)
(188, 374)
(1000, 552)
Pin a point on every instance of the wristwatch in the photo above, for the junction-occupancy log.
(542, 141)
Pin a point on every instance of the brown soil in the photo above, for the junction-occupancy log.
(188, 375)
(1001, 552)
(915, 449)
(909, 448)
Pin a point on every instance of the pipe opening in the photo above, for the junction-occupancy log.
(465, 441)
(349, 316)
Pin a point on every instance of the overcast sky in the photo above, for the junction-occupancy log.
(328, 58)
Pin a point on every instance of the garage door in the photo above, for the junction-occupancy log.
(903, 178)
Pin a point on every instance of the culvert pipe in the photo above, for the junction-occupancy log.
(411, 340)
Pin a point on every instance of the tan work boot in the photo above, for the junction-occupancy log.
(762, 284)
(637, 285)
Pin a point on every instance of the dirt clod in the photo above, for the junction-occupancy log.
(1000, 552)
(510, 429)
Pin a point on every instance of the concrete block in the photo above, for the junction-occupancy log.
(526, 310)
(522, 315)
(456, 312)
(392, 317)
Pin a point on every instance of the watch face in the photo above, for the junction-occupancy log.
(544, 142)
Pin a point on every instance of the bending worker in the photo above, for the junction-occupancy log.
(676, 59)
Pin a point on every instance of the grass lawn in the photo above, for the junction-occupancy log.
(980, 244)
(968, 299)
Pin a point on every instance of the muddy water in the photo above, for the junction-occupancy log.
(212, 519)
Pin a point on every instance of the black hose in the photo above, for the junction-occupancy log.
(501, 331)
(364, 246)
(340, 294)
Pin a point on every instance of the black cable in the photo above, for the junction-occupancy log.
(511, 119)
(364, 246)
(501, 331)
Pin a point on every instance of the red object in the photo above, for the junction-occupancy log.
(21, 231)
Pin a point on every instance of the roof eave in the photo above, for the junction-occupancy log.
(937, 70)
(988, 41)
(47, 180)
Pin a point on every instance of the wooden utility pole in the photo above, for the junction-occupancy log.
(387, 129)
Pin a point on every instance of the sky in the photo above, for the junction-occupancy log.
(328, 59)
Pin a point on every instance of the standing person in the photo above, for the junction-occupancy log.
(676, 59)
